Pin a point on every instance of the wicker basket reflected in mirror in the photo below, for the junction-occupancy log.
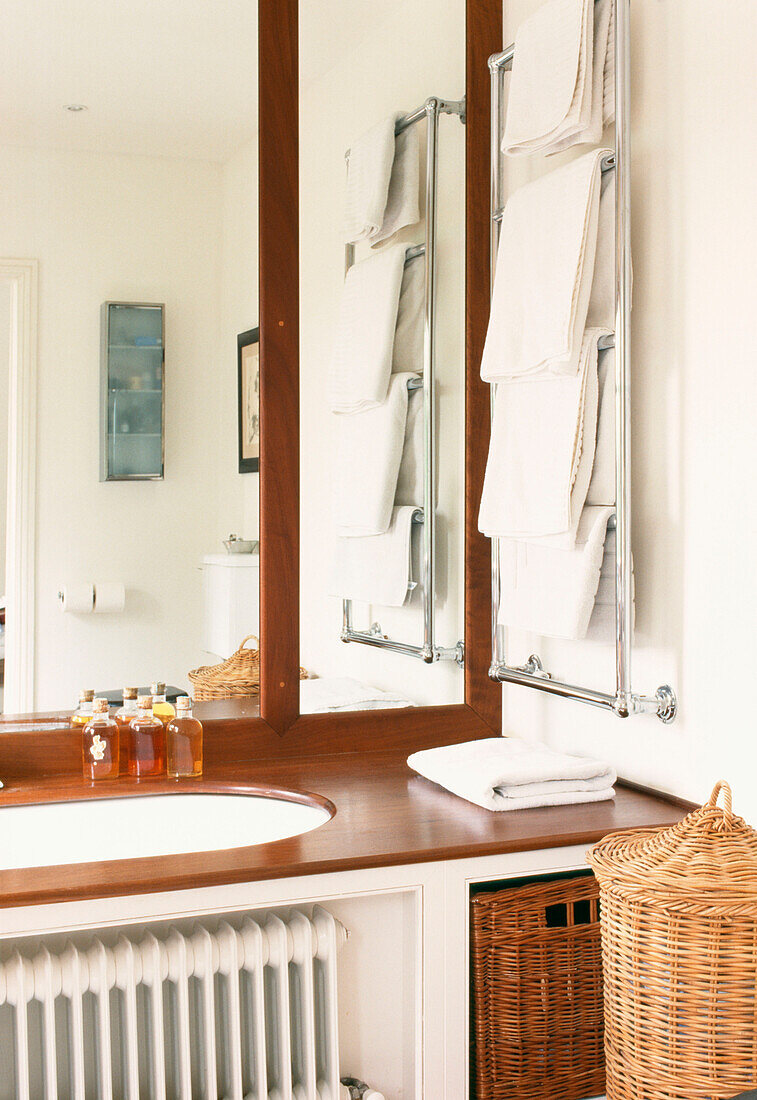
(236, 677)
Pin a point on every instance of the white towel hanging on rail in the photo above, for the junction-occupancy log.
(367, 461)
(545, 267)
(383, 183)
(541, 452)
(364, 345)
(557, 90)
(550, 591)
(376, 569)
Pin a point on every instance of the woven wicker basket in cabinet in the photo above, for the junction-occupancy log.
(537, 992)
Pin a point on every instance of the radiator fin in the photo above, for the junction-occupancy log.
(120, 1020)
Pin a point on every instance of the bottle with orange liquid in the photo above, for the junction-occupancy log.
(146, 753)
(160, 708)
(100, 744)
(123, 716)
(85, 710)
(184, 742)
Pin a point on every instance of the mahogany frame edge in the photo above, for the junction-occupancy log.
(480, 714)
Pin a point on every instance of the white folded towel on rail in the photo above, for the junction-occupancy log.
(382, 183)
(403, 197)
(541, 452)
(602, 622)
(507, 773)
(410, 487)
(369, 169)
(335, 693)
(545, 267)
(602, 484)
(364, 346)
(557, 90)
(376, 569)
(368, 452)
(551, 591)
(408, 336)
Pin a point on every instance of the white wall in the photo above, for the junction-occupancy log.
(5, 314)
(149, 229)
(694, 116)
(391, 60)
(239, 288)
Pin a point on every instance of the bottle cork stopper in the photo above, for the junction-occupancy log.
(86, 695)
(101, 706)
(144, 702)
(130, 693)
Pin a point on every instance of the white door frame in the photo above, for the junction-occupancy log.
(23, 278)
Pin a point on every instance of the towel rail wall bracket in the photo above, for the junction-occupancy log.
(428, 651)
(623, 702)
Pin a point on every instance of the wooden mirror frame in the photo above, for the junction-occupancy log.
(480, 714)
(277, 728)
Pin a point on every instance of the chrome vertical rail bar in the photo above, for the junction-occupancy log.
(429, 385)
(623, 604)
(497, 67)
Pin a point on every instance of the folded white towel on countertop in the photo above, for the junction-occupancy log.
(335, 693)
(551, 591)
(367, 460)
(376, 569)
(364, 345)
(541, 452)
(545, 267)
(369, 169)
(507, 773)
(560, 71)
(403, 197)
(602, 484)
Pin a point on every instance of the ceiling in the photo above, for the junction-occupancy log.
(159, 77)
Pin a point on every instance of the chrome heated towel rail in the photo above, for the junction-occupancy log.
(623, 701)
(429, 651)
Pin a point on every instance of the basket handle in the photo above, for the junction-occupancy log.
(721, 785)
(244, 642)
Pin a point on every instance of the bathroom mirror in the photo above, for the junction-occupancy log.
(382, 353)
(128, 140)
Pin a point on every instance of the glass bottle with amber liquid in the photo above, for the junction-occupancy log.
(184, 742)
(160, 708)
(100, 744)
(85, 709)
(146, 753)
(123, 716)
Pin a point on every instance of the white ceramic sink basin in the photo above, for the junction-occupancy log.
(90, 831)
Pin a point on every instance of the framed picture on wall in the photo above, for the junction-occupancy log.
(248, 367)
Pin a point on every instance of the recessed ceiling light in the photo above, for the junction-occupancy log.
(75, 107)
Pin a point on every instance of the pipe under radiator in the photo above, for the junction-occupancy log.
(226, 1013)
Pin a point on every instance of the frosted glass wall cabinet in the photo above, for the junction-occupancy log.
(132, 395)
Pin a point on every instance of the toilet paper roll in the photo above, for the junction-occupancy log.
(110, 596)
(79, 598)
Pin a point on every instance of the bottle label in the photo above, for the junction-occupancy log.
(98, 747)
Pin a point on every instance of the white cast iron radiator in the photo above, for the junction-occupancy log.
(237, 1013)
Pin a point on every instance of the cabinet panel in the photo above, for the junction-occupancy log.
(132, 399)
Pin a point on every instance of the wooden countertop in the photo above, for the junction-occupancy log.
(385, 815)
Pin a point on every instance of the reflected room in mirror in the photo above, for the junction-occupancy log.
(382, 354)
(128, 268)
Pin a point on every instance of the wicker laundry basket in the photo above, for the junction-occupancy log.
(679, 937)
(537, 992)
